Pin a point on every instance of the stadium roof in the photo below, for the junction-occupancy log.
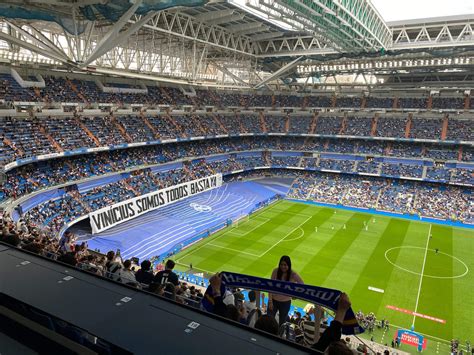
(224, 42)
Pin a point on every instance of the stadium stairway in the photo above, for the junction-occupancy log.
(287, 123)
(408, 126)
(241, 124)
(395, 103)
(220, 124)
(87, 130)
(444, 130)
(343, 125)
(77, 91)
(38, 93)
(314, 123)
(165, 93)
(199, 125)
(170, 119)
(305, 101)
(214, 97)
(121, 129)
(51, 140)
(263, 124)
(429, 103)
(149, 125)
(373, 129)
(9, 143)
(425, 170)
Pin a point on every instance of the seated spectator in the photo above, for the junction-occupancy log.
(68, 258)
(126, 275)
(268, 324)
(167, 275)
(113, 266)
(145, 274)
(252, 313)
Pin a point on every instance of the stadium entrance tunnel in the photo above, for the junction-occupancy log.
(439, 265)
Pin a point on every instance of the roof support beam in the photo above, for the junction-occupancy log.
(226, 19)
(211, 15)
(244, 27)
(114, 37)
(31, 47)
(40, 40)
(264, 36)
(229, 73)
(279, 72)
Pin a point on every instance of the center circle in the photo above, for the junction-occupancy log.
(440, 253)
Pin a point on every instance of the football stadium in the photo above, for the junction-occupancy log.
(243, 177)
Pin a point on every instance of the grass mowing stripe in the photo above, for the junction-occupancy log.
(288, 249)
(428, 237)
(264, 236)
(358, 255)
(317, 255)
(377, 271)
(463, 301)
(232, 260)
(436, 296)
(327, 258)
(217, 235)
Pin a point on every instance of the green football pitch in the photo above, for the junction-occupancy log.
(415, 266)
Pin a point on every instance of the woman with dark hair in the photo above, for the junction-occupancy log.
(277, 302)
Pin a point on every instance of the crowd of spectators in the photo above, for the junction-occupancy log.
(318, 101)
(391, 127)
(410, 197)
(448, 103)
(29, 137)
(300, 124)
(288, 101)
(412, 102)
(379, 102)
(33, 177)
(358, 126)
(276, 123)
(245, 307)
(460, 130)
(349, 102)
(59, 89)
(405, 170)
(426, 128)
(329, 125)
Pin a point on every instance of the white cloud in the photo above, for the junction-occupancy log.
(416, 9)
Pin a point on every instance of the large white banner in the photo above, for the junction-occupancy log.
(110, 216)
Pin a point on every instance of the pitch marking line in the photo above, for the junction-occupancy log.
(288, 212)
(251, 230)
(299, 237)
(231, 249)
(282, 239)
(426, 275)
(421, 277)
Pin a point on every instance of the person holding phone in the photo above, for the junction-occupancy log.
(281, 303)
